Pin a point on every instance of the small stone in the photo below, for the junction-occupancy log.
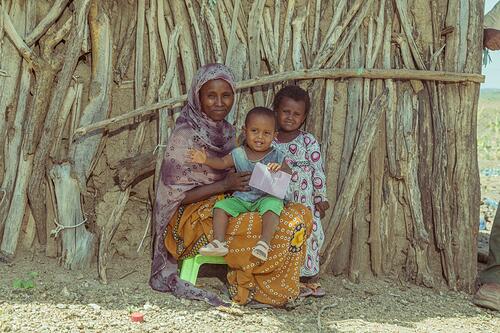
(95, 307)
(61, 306)
(147, 306)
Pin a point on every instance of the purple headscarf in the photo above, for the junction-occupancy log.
(193, 129)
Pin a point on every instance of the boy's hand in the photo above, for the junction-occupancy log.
(322, 207)
(197, 156)
(273, 167)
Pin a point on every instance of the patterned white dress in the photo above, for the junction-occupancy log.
(308, 186)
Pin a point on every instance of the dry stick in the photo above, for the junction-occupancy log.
(139, 45)
(214, 34)
(125, 55)
(376, 157)
(145, 232)
(77, 242)
(334, 32)
(391, 105)
(407, 60)
(18, 42)
(1, 30)
(287, 32)
(85, 151)
(229, 8)
(317, 16)
(50, 64)
(379, 35)
(276, 30)
(356, 23)
(357, 167)
(194, 22)
(170, 52)
(54, 13)
(232, 36)
(405, 22)
(254, 25)
(225, 22)
(76, 109)
(36, 193)
(306, 41)
(409, 121)
(13, 144)
(61, 121)
(268, 31)
(11, 61)
(266, 38)
(328, 117)
(185, 43)
(306, 74)
(297, 27)
(10, 212)
(110, 228)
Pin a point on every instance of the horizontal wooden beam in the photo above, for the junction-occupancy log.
(306, 74)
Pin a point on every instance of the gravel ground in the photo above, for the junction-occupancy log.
(71, 301)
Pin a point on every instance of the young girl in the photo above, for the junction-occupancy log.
(260, 131)
(308, 185)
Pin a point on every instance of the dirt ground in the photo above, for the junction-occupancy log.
(71, 301)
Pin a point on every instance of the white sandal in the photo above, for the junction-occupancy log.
(261, 250)
(215, 248)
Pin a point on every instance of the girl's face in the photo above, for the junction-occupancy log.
(216, 99)
(260, 131)
(291, 114)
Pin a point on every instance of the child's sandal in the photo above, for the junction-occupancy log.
(215, 248)
(261, 250)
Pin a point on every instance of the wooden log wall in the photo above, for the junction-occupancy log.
(394, 87)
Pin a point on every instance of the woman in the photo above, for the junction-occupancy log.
(186, 194)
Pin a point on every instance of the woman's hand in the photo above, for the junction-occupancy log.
(197, 156)
(273, 167)
(322, 207)
(237, 181)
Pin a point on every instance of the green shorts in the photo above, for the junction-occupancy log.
(236, 206)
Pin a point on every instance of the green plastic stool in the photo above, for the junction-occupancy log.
(191, 266)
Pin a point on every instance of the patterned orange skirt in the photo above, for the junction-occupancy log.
(275, 281)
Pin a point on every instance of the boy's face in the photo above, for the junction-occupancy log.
(260, 132)
(291, 114)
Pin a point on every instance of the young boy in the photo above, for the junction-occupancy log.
(260, 130)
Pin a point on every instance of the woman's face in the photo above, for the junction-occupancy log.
(216, 99)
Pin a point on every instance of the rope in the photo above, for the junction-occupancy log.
(61, 227)
(486, 57)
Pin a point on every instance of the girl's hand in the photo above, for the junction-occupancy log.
(322, 207)
(237, 181)
(273, 167)
(197, 156)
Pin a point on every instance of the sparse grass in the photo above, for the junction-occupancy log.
(488, 125)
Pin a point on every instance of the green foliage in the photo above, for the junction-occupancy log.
(27, 283)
